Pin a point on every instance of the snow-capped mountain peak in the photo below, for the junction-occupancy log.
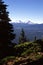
(28, 22)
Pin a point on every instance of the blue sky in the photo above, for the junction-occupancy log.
(25, 10)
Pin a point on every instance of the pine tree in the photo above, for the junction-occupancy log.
(22, 37)
(35, 38)
(6, 29)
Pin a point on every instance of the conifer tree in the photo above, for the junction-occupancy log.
(22, 37)
(6, 29)
(35, 38)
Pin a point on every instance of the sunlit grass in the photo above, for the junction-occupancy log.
(7, 58)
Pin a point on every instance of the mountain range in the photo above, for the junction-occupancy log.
(26, 22)
(31, 30)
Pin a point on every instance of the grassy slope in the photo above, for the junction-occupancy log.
(27, 48)
(26, 51)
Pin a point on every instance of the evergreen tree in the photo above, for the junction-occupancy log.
(6, 29)
(22, 37)
(35, 38)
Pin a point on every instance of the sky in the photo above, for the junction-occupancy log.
(25, 10)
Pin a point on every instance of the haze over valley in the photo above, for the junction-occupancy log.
(31, 30)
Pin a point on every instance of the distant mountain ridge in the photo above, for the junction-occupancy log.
(31, 30)
(25, 22)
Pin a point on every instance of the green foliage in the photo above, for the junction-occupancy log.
(40, 42)
(7, 58)
(27, 48)
(38, 56)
